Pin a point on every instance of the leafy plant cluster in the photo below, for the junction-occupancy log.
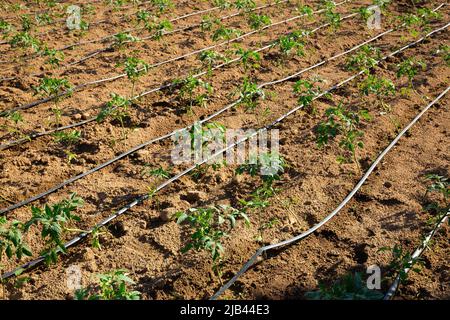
(54, 89)
(401, 260)
(350, 287)
(53, 221)
(381, 87)
(292, 43)
(111, 286)
(344, 123)
(116, 109)
(439, 185)
(249, 94)
(365, 59)
(193, 91)
(420, 21)
(210, 58)
(268, 167)
(209, 226)
(410, 68)
(306, 91)
(330, 16)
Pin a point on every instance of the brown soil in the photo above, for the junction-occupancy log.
(387, 211)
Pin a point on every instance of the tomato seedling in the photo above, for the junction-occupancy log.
(54, 89)
(345, 123)
(111, 286)
(54, 220)
(134, 69)
(249, 93)
(193, 91)
(381, 87)
(209, 227)
(11, 240)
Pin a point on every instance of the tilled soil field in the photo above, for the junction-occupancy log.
(389, 210)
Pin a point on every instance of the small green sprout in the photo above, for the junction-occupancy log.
(111, 286)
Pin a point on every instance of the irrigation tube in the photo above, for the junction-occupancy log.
(144, 197)
(231, 105)
(393, 288)
(165, 33)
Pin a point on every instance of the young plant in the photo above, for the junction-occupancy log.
(24, 41)
(420, 21)
(54, 220)
(160, 28)
(54, 89)
(222, 4)
(111, 286)
(292, 43)
(245, 5)
(249, 93)
(439, 184)
(208, 23)
(382, 4)
(159, 173)
(67, 138)
(381, 87)
(120, 39)
(249, 59)
(306, 91)
(331, 17)
(401, 260)
(16, 118)
(26, 22)
(269, 167)
(365, 59)
(350, 287)
(345, 123)
(116, 108)
(43, 18)
(54, 57)
(306, 10)
(194, 91)
(162, 5)
(134, 69)
(5, 28)
(364, 13)
(209, 58)
(256, 21)
(444, 51)
(11, 240)
(209, 227)
(410, 68)
(143, 17)
(226, 34)
(201, 136)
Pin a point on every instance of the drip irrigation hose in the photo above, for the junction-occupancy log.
(303, 235)
(229, 106)
(33, 263)
(393, 288)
